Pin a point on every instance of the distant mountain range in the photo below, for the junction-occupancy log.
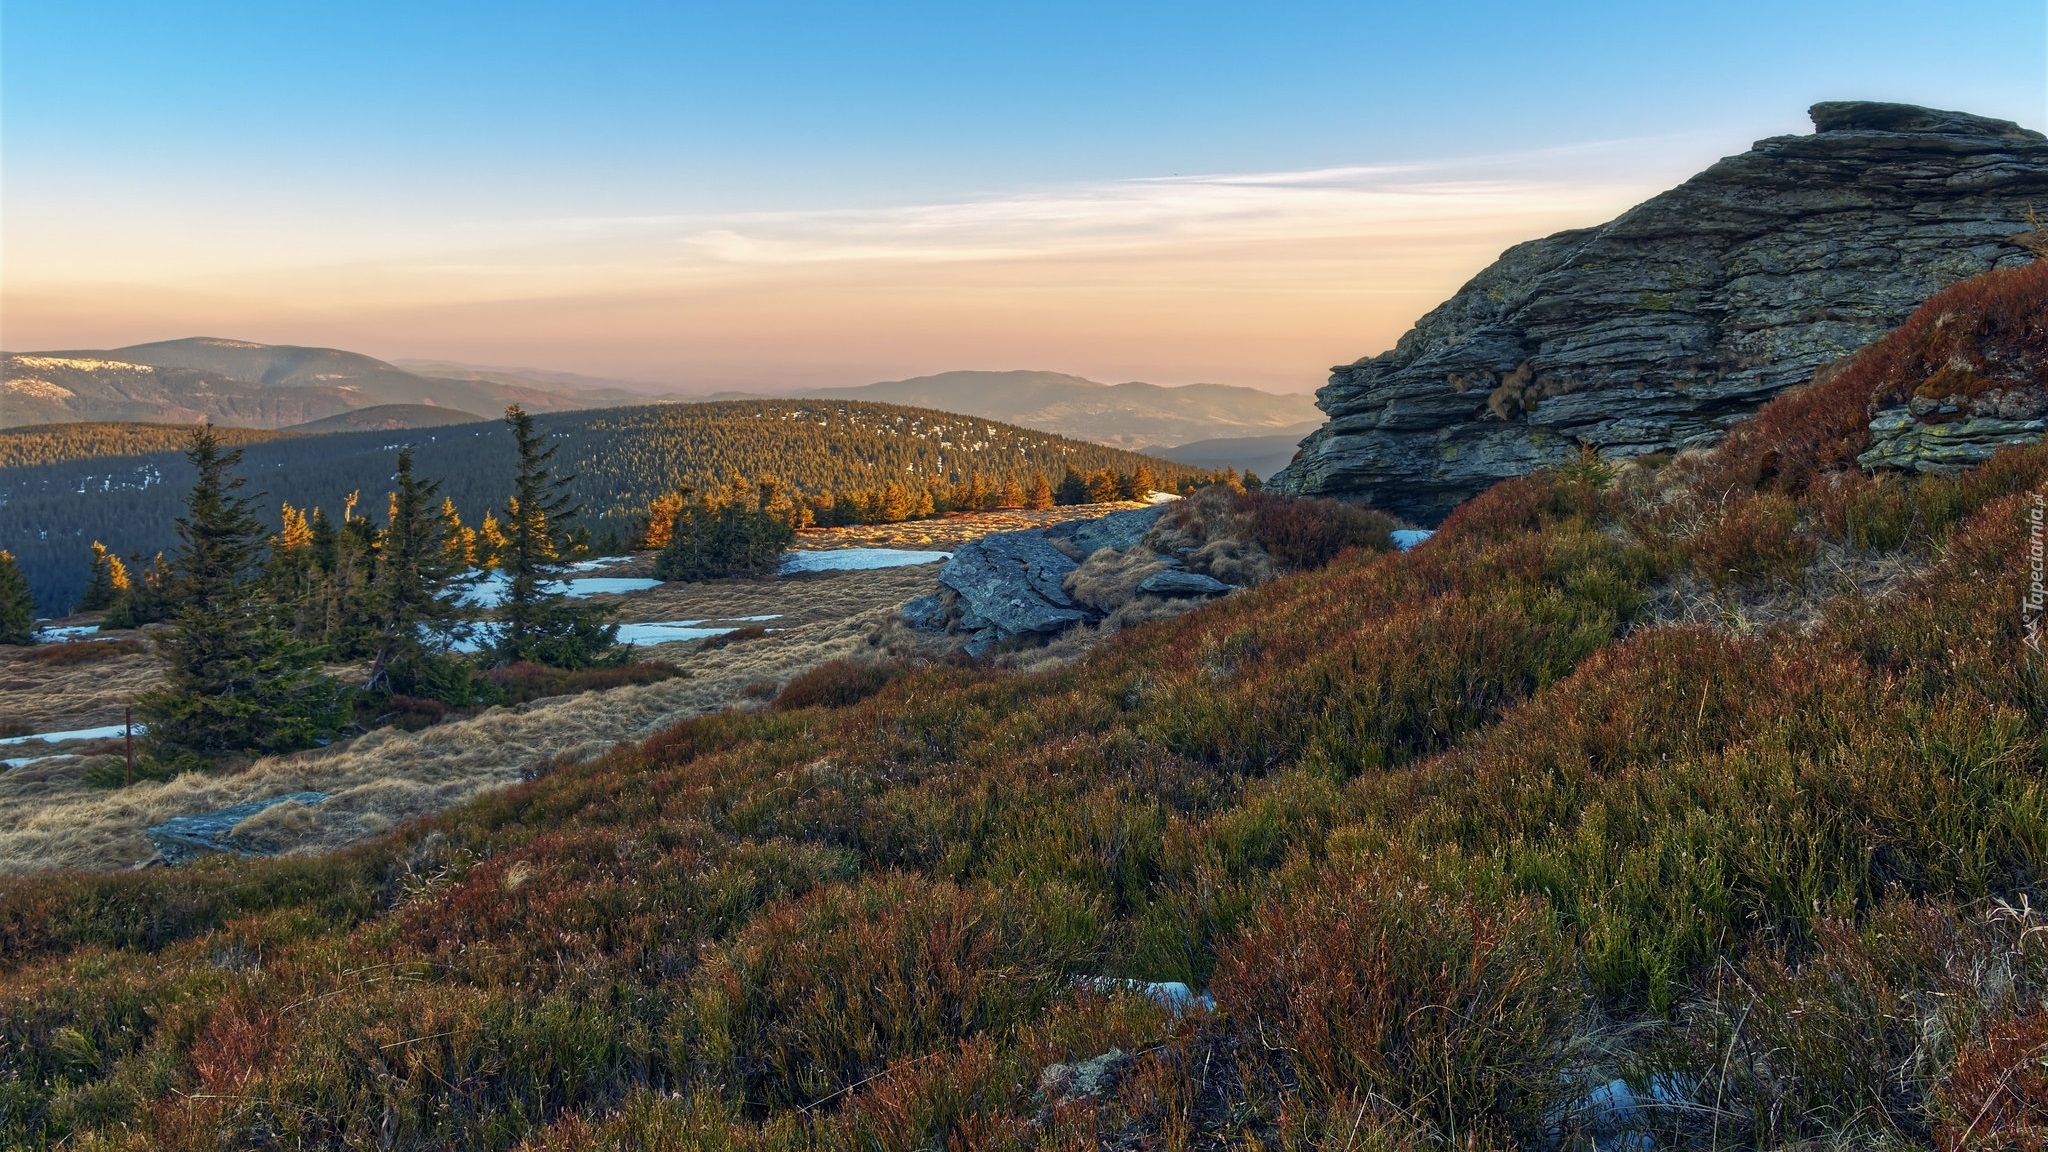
(1260, 455)
(1132, 416)
(235, 382)
(240, 383)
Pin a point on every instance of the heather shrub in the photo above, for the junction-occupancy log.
(837, 684)
(81, 652)
(1452, 1009)
(524, 681)
(1750, 538)
(1304, 534)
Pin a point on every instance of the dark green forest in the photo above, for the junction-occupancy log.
(621, 459)
(39, 444)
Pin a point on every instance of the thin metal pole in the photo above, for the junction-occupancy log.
(128, 735)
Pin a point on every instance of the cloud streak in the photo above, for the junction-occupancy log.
(1256, 277)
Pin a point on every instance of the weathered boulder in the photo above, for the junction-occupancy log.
(1174, 582)
(183, 838)
(1009, 585)
(1661, 328)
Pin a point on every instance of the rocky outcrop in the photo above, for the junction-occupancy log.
(1008, 585)
(1660, 329)
(183, 838)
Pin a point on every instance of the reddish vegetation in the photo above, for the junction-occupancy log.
(525, 681)
(1452, 835)
(1988, 331)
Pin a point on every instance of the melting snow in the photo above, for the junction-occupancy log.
(1406, 538)
(106, 733)
(489, 591)
(856, 559)
(64, 635)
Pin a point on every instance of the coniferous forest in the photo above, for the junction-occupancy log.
(64, 487)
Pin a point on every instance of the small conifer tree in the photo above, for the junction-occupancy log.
(536, 621)
(236, 681)
(413, 616)
(109, 581)
(1038, 496)
(17, 607)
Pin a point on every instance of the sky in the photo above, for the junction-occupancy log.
(778, 195)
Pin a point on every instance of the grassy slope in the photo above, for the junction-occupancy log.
(1449, 835)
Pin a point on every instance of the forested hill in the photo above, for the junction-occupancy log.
(621, 457)
(44, 444)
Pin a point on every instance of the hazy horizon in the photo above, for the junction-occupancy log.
(805, 196)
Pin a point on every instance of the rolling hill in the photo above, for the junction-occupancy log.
(52, 511)
(1261, 455)
(236, 382)
(389, 417)
(1134, 415)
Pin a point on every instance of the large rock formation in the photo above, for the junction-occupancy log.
(1660, 329)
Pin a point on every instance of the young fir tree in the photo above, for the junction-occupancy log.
(536, 622)
(109, 581)
(458, 543)
(17, 607)
(292, 576)
(413, 616)
(1038, 496)
(740, 531)
(236, 681)
(345, 627)
(1012, 495)
(1073, 488)
(148, 599)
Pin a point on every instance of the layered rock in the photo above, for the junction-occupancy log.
(1660, 329)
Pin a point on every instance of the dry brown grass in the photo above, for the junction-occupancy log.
(1109, 580)
(51, 819)
(55, 695)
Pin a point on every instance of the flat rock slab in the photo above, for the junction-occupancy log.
(183, 838)
(1177, 583)
(1116, 531)
(1011, 583)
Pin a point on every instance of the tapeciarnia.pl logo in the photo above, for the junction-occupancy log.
(2037, 594)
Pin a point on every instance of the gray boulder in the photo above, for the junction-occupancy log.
(183, 838)
(927, 613)
(1174, 582)
(1663, 327)
(1009, 585)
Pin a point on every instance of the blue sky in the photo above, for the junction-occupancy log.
(189, 163)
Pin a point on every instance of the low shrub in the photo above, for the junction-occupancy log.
(81, 652)
(524, 681)
(1305, 534)
(1449, 1007)
(1750, 538)
(837, 684)
(736, 636)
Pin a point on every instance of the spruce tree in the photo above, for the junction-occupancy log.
(536, 621)
(148, 598)
(1038, 496)
(17, 607)
(236, 681)
(413, 616)
(109, 580)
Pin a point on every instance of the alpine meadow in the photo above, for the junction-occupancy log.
(643, 626)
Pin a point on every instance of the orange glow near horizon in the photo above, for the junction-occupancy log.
(1257, 280)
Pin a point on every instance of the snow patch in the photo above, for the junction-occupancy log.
(856, 560)
(65, 635)
(1406, 538)
(106, 733)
